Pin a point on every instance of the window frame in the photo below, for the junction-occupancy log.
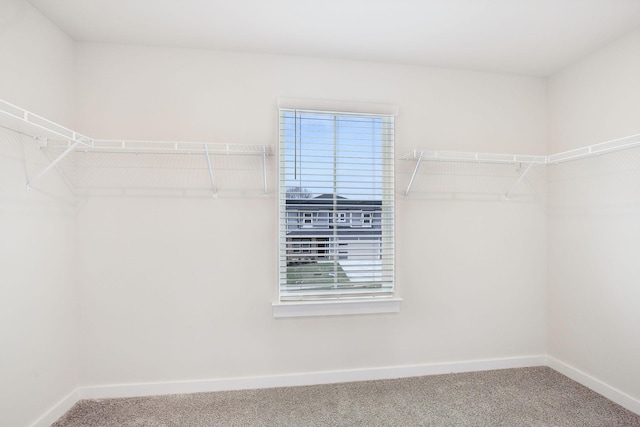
(367, 219)
(341, 217)
(306, 216)
(356, 305)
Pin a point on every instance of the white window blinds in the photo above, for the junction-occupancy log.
(336, 207)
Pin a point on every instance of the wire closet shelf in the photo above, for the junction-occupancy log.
(425, 155)
(49, 134)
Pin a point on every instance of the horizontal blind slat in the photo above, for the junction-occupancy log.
(336, 205)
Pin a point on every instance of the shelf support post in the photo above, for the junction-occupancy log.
(51, 165)
(213, 182)
(522, 175)
(413, 175)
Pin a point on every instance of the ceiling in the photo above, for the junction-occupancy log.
(529, 37)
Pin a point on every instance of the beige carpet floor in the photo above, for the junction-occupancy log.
(536, 396)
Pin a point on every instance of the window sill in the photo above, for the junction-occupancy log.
(336, 308)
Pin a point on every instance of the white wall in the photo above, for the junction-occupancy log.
(38, 295)
(596, 99)
(37, 66)
(180, 288)
(594, 232)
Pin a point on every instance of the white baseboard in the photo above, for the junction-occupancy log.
(596, 385)
(326, 377)
(57, 410)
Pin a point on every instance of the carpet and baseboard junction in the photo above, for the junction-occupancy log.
(489, 393)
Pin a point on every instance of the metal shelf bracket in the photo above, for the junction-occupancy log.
(52, 164)
(520, 178)
(415, 171)
(49, 134)
(213, 181)
(264, 169)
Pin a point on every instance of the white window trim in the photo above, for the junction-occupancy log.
(379, 305)
(336, 308)
(342, 106)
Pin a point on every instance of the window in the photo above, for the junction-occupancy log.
(336, 195)
(367, 218)
(307, 219)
